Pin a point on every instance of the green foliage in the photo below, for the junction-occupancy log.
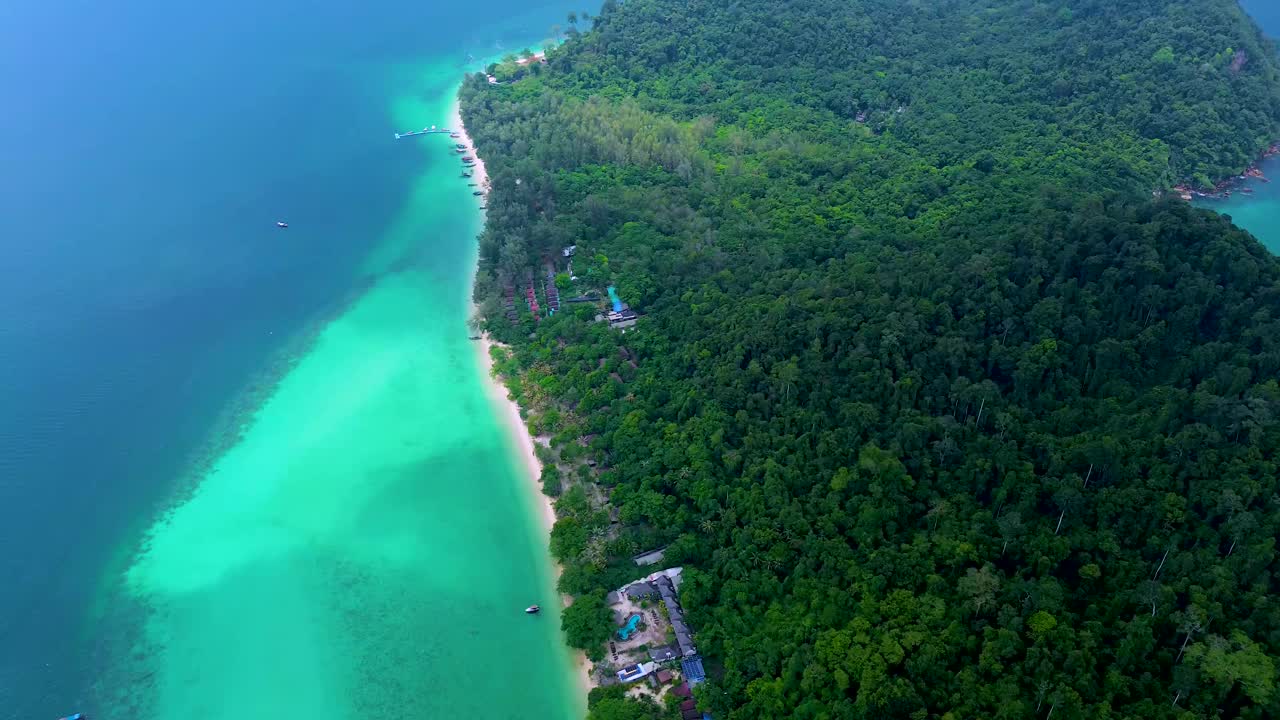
(550, 480)
(587, 624)
(1041, 622)
(611, 703)
(1236, 661)
(943, 414)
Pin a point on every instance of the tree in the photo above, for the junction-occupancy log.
(587, 624)
(611, 703)
(1236, 661)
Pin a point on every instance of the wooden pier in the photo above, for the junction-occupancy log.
(433, 130)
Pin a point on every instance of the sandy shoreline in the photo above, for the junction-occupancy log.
(508, 412)
(478, 174)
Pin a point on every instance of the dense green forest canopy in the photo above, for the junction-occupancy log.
(943, 413)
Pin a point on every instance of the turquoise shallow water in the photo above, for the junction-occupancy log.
(1257, 211)
(247, 472)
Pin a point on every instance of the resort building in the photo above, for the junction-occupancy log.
(693, 672)
(664, 653)
(622, 319)
(641, 591)
(649, 558)
(632, 673)
(661, 585)
(684, 636)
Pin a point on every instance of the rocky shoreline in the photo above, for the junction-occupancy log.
(1226, 186)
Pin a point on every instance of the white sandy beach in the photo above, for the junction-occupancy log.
(478, 174)
(509, 413)
(518, 432)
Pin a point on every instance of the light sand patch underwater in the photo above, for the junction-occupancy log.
(364, 551)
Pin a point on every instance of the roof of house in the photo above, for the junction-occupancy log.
(613, 598)
(688, 704)
(690, 715)
(634, 672)
(664, 676)
(686, 644)
(640, 590)
(682, 690)
(693, 672)
(665, 652)
(648, 558)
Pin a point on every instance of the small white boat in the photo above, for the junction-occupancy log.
(532, 609)
(281, 224)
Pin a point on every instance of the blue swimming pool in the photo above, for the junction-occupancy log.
(629, 628)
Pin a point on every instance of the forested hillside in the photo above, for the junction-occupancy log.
(943, 413)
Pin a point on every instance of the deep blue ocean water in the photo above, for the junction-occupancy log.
(147, 297)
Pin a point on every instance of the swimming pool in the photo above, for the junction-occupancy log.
(629, 628)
